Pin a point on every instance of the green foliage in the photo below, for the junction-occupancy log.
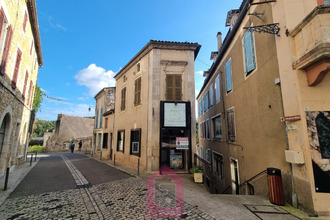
(196, 169)
(40, 127)
(38, 98)
(36, 148)
(196, 129)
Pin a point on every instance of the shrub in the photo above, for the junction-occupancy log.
(196, 169)
(36, 148)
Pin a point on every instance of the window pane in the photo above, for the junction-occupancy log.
(211, 95)
(217, 127)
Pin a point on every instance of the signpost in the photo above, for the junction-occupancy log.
(182, 143)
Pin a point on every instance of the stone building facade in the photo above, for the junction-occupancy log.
(265, 103)
(154, 101)
(20, 57)
(103, 128)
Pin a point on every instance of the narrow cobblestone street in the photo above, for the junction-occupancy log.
(124, 198)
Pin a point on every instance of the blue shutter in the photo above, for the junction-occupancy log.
(228, 76)
(96, 118)
(101, 117)
(249, 52)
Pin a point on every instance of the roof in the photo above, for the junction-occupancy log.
(229, 37)
(101, 91)
(78, 127)
(32, 8)
(154, 44)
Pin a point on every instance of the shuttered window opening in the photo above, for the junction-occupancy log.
(25, 22)
(228, 76)
(16, 70)
(123, 99)
(2, 21)
(101, 117)
(249, 56)
(173, 87)
(25, 84)
(231, 125)
(6, 50)
(217, 89)
(137, 93)
(31, 47)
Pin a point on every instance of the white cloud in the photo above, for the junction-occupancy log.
(95, 78)
(83, 98)
(200, 72)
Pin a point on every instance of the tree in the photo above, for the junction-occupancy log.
(41, 126)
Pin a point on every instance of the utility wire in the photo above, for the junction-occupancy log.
(203, 62)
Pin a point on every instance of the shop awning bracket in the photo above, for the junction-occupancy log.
(267, 28)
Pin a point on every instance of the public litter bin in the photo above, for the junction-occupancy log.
(275, 186)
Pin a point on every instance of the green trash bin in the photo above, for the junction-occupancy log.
(275, 186)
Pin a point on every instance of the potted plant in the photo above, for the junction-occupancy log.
(196, 171)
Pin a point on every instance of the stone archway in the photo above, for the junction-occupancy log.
(6, 127)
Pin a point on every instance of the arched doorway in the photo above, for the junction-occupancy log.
(4, 131)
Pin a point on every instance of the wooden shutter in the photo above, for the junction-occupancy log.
(2, 20)
(25, 21)
(101, 117)
(228, 76)
(31, 48)
(32, 93)
(16, 70)
(6, 52)
(137, 92)
(173, 87)
(123, 99)
(25, 83)
(178, 87)
(248, 52)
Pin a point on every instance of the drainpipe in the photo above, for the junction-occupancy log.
(293, 194)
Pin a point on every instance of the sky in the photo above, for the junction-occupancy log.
(85, 43)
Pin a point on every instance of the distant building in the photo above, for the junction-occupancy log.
(20, 59)
(265, 103)
(70, 128)
(103, 128)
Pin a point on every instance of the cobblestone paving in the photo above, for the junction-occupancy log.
(120, 199)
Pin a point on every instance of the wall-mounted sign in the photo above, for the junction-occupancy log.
(291, 118)
(292, 128)
(175, 115)
(182, 143)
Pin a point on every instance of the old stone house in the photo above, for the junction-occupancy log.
(103, 128)
(265, 103)
(70, 128)
(154, 104)
(20, 59)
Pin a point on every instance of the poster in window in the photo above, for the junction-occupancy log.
(135, 147)
(175, 115)
(176, 161)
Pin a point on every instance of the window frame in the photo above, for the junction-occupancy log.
(139, 142)
(231, 125)
(221, 174)
(123, 141)
(208, 155)
(214, 136)
(211, 89)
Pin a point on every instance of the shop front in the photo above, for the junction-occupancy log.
(175, 136)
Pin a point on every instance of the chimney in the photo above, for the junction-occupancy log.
(219, 36)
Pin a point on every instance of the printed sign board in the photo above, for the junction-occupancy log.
(291, 118)
(182, 143)
(175, 115)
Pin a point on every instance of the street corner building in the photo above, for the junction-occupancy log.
(20, 59)
(103, 131)
(154, 107)
(265, 103)
(70, 129)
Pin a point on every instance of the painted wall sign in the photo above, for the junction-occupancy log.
(291, 118)
(175, 115)
(182, 143)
